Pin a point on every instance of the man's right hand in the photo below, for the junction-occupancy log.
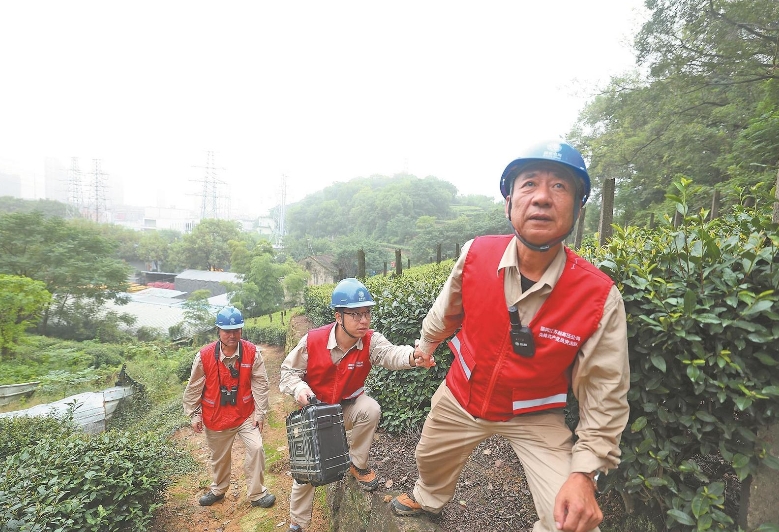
(422, 359)
(197, 424)
(302, 397)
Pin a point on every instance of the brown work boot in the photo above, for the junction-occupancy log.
(405, 504)
(366, 478)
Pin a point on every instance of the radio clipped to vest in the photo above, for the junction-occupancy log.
(521, 335)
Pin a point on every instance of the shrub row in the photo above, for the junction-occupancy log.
(103, 483)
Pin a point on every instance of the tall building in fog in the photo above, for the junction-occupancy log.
(10, 185)
(55, 180)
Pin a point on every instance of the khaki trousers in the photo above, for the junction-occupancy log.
(220, 442)
(360, 418)
(542, 442)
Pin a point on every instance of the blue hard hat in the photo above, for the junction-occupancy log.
(229, 318)
(557, 151)
(351, 293)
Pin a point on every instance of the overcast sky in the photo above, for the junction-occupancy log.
(315, 91)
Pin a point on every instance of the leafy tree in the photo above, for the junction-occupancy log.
(44, 206)
(267, 286)
(127, 240)
(241, 256)
(706, 109)
(153, 249)
(206, 247)
(22, 301)
(70, 257)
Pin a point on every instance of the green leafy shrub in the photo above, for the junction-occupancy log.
(109, 482)
(20, 432)
(316, 303)
(701, 301)
(272, 334)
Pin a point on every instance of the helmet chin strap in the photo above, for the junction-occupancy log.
(343, 327)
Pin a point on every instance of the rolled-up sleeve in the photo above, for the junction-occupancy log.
(293, 370)
(388, 355)
(601, 379)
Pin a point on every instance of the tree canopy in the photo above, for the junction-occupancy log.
(706, 107)
(71, 257)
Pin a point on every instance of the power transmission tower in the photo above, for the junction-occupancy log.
(75, 191)
(282, 212)
(97, 188)
(210, 198)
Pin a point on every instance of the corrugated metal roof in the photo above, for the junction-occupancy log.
(205, 275)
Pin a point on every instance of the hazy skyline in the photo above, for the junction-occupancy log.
(318, 92)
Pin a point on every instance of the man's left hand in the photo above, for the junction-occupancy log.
(575, 508)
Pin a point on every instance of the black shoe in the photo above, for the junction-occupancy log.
(295, 528)
(209, 498)
(266, 501)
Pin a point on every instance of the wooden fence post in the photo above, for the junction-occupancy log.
(398, 263)
(776, 203)
(385, 268)
(361, 264)
(438, 254)
(652, 220)
(577, 239)
(456, 250)
(715, 205)
(606, 211)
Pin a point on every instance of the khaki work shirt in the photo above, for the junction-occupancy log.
(601, 373)
(382, 353)
(260, 387)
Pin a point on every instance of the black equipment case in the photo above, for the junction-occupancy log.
(318, 450)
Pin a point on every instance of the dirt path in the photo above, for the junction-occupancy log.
(181, 512)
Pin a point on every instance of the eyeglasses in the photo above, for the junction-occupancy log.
(357, 316)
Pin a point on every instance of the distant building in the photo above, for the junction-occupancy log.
(191, 280)
(321, 269)
(55, 178)
(10, 185)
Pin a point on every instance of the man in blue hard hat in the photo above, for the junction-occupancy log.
(331, 363)
(531, 320)
(227, 394)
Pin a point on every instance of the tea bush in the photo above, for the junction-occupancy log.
(22, 431)
(701, 301)
(103, 483)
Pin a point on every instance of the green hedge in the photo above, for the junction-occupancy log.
(271, 334)
(702, 307)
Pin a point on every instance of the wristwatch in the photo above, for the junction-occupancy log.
(594, 476)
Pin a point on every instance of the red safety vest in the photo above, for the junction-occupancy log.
(488, 379)
(215, 415)
(332, 383)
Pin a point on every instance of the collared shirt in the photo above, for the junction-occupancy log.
(601, 372)
(382, 353)
(260, 387)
